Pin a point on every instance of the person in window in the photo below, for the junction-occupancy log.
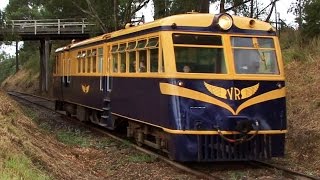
(186, 69)
(142, 67)
(133, 66)
(123, 68)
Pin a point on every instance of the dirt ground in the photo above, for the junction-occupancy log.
(96, 158)
(101, 159)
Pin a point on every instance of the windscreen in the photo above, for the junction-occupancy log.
(196, 53)
(254, 55)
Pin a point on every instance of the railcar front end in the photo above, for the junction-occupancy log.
(227, 97)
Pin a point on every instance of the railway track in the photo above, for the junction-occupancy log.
(49, 105)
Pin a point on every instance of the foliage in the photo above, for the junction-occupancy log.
(72, 138)
(7, 66)
(311, 28)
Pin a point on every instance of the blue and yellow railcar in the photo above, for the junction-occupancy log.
(199, 87)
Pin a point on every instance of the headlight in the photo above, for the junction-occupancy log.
(225, 21)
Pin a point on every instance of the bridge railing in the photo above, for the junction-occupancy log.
(49, 26)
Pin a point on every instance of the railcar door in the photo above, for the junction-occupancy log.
(105, 87)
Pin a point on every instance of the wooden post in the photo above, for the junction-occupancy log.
(41, 78)
(17, 56)
(44, 59)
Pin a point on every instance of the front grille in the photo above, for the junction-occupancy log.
(214, 148)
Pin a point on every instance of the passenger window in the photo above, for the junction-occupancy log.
(154, 60)
(100, 56)
(83, 62)
(123, 62)
(153, 42)
(115, 62)
(88, 61)
(79, 61)
(94, 60)
(141, 44)
(114, 58)
(142, 61)
(132, 61)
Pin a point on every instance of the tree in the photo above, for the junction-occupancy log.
(310, 27)
(297, 8)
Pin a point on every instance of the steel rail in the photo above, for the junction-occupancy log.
(295, 173)
(177, 165)
(151, 153)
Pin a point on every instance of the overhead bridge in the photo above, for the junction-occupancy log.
(45, 30)
(53, 29)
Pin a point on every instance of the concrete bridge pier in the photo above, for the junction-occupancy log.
(45, 48)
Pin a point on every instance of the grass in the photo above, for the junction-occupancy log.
(139, 158)
(20, 167)
(73, 138)
(236, 175)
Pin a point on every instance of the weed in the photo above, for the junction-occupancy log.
(102, 144)
(73, 138)
(236, 175)
(125, 144)
(138, 158)
(20, 167)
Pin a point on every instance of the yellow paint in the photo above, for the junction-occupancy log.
(195, 132)
(174, 90)
(202, 132)
(275, 94)
(233, 92)
(85, 88)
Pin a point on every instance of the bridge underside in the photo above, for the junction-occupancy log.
(44, 31)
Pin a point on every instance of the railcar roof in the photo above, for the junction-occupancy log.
(186, 20)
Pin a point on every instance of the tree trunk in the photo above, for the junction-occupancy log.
(159, 8)
(251, 9)
(115, 14)
(222, 10)
(204, 6)
(271, 10)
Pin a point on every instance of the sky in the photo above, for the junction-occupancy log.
(282, 8)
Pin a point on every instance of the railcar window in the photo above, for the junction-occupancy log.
(94, 60)
(132, 61)
(260, 58)
(141, 44)
(88, 61)
(115, 62)
(197, 39)
(114, 48)
(114, 58)
(265, 42)
(83, 62)
(200, 60)
(123, 62)
(154, 59)
(242, 42)
(153, 42)
(131, 45)
(79, 61)
(100, 56)
(122, 47)
(142, 61)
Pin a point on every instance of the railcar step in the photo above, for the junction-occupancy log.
(104, 117)
(106, 100)
(106, 108)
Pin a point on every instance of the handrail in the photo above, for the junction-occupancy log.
(49, 25)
